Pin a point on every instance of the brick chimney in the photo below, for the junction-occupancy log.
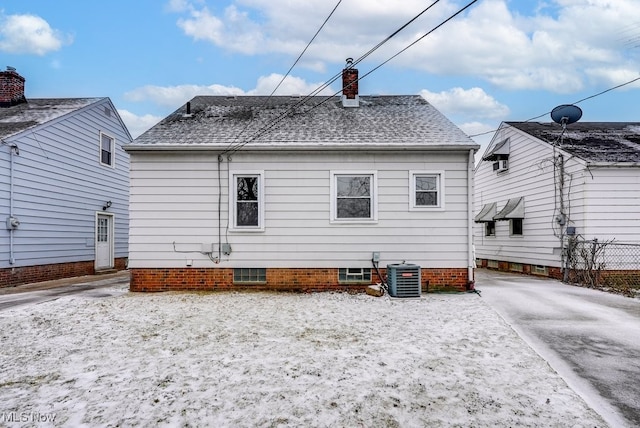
(11, 88)
(350, 85)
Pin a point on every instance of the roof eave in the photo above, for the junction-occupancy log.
(130, 148)
(612, 164)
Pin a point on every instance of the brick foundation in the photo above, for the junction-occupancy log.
(11, 277)
(527, 269)
(278, 279)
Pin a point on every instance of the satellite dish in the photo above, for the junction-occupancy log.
(566, 114)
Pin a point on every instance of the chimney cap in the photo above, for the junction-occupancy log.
(349, 62)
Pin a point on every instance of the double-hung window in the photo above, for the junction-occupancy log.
(353, 197)
(247, 201)
(107, 150)
(427, 190)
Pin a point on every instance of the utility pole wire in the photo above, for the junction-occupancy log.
(577, 102)
(290, 68)
(265, 129)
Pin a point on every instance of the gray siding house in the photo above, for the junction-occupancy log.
(63, 186)
(542, 191)
(302, 194)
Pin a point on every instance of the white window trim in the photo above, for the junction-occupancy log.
(232, 201)
(334, 193)
(113, 150)
(412, 191)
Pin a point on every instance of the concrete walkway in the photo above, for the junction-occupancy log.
(94, 285)
(591, 338)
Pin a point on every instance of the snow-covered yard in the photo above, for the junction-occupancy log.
(269, 360)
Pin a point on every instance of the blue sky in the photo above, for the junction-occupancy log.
(500, 60)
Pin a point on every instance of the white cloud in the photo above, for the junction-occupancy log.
(557, 45)
(290, 86)
(473, 102)
(29, 34)
(235, 31)
(174, 96)
(138, 124)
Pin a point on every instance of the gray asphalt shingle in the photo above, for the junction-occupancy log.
(284, 121)
(614, 142)
(37, 111)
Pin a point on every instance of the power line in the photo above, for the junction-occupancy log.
(265, 129)
(577, 102)
(290, 68)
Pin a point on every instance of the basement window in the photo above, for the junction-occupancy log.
(250, 275)
(354, 275)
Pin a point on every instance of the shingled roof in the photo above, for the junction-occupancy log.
(601, 142)
(37, 111)
(259, 122)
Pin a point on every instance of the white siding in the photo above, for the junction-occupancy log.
(601, 202)
(530, 174)
(59, 184)
(613, 204)
(174, 198)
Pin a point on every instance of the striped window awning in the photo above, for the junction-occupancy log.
(499, 151)
(512, 210)
(487, 213)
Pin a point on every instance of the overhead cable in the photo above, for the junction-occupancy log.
(291, 68)
(268, 127)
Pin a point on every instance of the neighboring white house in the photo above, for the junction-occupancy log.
(300, 193)
(64, 191)
(539, 188)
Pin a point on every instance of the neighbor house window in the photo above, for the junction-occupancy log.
(353, 197)
(107, 146)
(426, 190)
(490, 228)
(247, 201)
(249, 275)
(516, 226)
(354, 275)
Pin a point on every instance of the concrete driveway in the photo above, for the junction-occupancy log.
(591, 338)
(91, 285)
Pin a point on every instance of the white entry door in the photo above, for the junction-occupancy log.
(104, 241)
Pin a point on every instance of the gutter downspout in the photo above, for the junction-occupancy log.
(470, 252)
(13, 148)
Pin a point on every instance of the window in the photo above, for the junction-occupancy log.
(516, 226)
(247, 204)
(353, 197)
(490, 228)
(515, 267)
(539, 270)
(256, 275)
(354, 275)
(103, 229)
(107, 145)
(426, 190)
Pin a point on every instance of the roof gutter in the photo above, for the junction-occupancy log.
(613, 164)
(308, 148)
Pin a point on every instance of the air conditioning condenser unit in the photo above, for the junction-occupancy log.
(501, 165)
(403, 280)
